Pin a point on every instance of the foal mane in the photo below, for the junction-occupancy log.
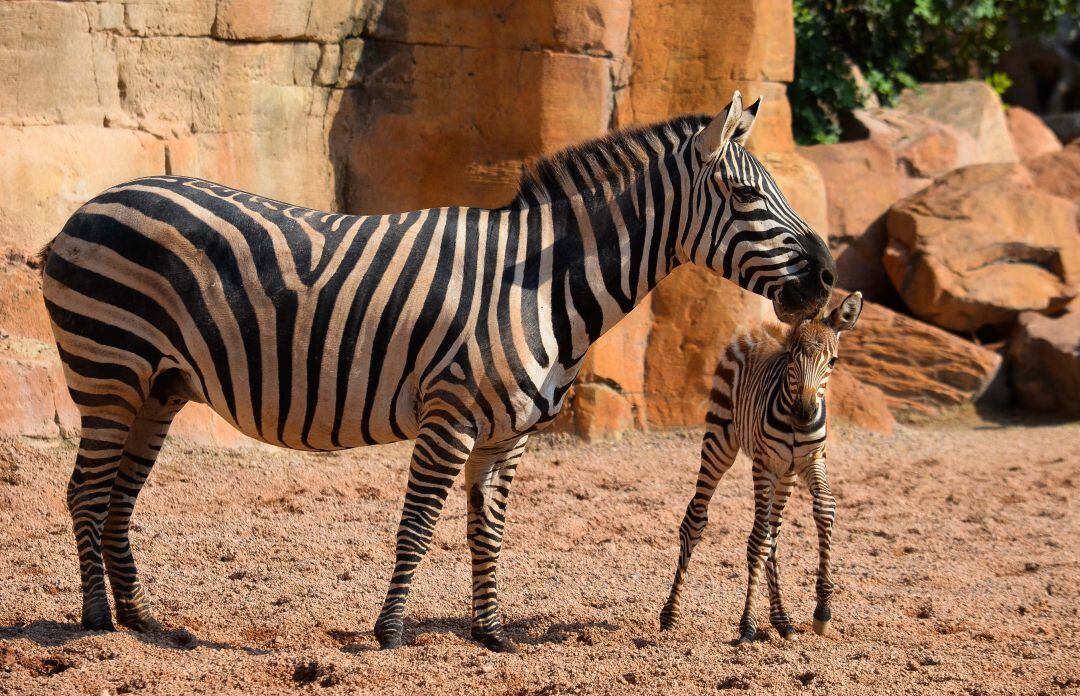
(617, 158)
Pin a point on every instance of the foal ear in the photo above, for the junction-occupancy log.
(721, 129)
(843, 318)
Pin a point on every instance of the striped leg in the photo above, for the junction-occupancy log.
(438, 456)
(102, 443)
(718, 450)
(488, 475)
(140, 452)
(824, 515)
(778, 616)
(758, 548)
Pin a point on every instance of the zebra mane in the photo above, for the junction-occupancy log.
(618, 156)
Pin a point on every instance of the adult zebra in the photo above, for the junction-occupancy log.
(460, 328)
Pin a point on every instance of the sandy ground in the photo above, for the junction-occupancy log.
(956, 558)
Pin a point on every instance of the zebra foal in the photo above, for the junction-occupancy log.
(768, 398)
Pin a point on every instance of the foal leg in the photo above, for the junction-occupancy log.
(758, 547)
(488, 475)
(778, 616)
(718, 450)
(824, 515)
(440, 452)
(140, 452)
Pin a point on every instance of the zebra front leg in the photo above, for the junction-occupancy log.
(140, 452)
(488, 475)
(778, 616)
(758, 547)
(824, 515)
(718, 450)
(439, 454)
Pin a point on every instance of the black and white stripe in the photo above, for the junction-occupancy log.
(768, 399)
(459, 328)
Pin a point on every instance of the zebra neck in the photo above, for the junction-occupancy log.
(611, 249)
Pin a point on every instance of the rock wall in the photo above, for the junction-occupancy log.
(374, 106)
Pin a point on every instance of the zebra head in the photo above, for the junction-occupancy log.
(812, 354)
(745, 228)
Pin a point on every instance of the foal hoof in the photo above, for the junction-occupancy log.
(822, 616)
(389, 638)
(668, 621)
(495, 642)
(788, 633)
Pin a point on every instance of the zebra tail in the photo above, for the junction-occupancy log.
(39, 259)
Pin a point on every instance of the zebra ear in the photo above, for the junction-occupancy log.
(746, 122)
(721, 129)
(843, 318)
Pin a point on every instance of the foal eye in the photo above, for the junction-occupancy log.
(832, 361)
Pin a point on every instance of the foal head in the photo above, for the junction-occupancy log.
(812, 349)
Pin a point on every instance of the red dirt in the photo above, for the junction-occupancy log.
(956, 559)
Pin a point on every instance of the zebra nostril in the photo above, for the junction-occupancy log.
(827, 278)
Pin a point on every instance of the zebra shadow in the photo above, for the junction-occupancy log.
(526, 631)
(53, 634)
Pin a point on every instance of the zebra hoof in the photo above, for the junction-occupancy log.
(668, 621)
(495, 642)
(788, 633)
(746, 637)
(821, 627)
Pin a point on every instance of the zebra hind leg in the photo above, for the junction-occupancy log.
(140, 452)
(718, 451)
(438, 457)
(488, 475)
(778, 615)
(100, 448)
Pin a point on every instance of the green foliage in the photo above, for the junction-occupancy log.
(999, 81)
(897, 44)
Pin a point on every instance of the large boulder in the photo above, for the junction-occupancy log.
(888, 154)
(981, 245)
(1031, 137)
(857, 403)
(972, 107)
(1044, 354)
(920, 368)
(861, 184)
(1058, 172)
(924, 147)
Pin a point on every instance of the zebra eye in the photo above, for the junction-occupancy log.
(832, 361)
(746, 194)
